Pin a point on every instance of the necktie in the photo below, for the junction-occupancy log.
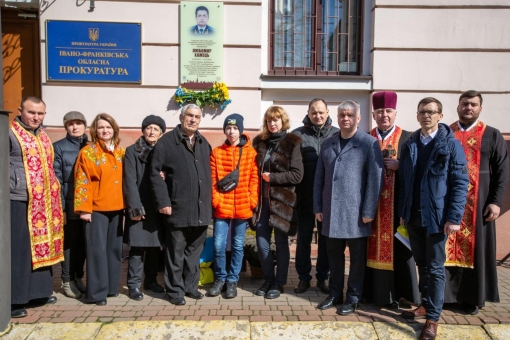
(201, 31)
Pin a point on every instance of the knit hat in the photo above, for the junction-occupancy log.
(74, 115)
(384, 100)
(234, 119)
(152, 119)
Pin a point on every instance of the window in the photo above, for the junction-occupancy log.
(315, 37)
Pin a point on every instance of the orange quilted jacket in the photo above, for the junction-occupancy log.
(240, 202)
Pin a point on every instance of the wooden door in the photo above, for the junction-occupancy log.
(21, 59)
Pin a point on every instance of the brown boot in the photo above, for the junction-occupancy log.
(418, 313)
(429, 331)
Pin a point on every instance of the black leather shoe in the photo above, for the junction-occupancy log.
(469, 308)
(323, 286)
(135, 294)
(43, 301)
(18, 311)
(154, 287)
(263, 290)
(195, 295)
(392, 306)
(302, 286)
(274, 292)
(113, 295)
(179, 301)
(101, 302)
(347, 308)
(330, 302)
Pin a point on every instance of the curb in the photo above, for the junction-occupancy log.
(248, 330)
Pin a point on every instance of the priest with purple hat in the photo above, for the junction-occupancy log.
(390, 276)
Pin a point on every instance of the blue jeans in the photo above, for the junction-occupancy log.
(221, 227)
(429, 254)
(264, 252)
(306, 222)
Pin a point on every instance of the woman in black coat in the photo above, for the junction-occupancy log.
(143, 221)
(281, 170)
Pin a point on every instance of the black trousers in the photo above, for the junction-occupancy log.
(74, 250)
(26, 284)
(358, 257)
(138, 265)
(183, 249)
(104, 254)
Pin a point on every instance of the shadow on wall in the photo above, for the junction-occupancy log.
(10, 44)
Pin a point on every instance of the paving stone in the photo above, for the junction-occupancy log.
(445, 332)
(390, 331)
(75, 331)
(19, 332)
(313, 330)
(177, 329)
(498, 332)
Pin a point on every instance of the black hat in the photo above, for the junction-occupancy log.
(234, 119)
(152, 119)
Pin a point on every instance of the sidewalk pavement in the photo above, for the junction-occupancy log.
(252, 315)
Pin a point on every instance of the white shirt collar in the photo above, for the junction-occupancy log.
(469, 128)
(389, 133)
(429, 138)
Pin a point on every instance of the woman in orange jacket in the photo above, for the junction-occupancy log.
(99, 202)
(232, 209)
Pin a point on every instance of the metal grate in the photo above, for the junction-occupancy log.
(315, 37)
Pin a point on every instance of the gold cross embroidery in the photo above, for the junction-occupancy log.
(385, 194)
(466, 232)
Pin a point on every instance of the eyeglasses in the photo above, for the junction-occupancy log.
(428, 113)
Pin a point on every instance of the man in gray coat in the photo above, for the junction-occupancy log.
(348, 182)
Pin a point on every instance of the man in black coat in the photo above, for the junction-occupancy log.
(185, 197)
(66, 152)
(316, 128)
(471, 275)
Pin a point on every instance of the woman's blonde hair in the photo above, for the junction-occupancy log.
(111, 121)
(274, 112)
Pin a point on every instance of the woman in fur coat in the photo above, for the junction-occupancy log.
(281, 170)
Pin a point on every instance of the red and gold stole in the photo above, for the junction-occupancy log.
(45, 216)
(380, 243)
(460, 246)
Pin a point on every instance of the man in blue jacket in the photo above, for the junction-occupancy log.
(433, 190)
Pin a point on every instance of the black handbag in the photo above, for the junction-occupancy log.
(230, 181)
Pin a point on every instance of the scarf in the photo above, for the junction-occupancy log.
(143, 149)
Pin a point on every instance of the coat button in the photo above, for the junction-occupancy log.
(116, 182)
(114, 167)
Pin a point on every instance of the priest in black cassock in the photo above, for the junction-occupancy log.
(390, 275)
(471, 276)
